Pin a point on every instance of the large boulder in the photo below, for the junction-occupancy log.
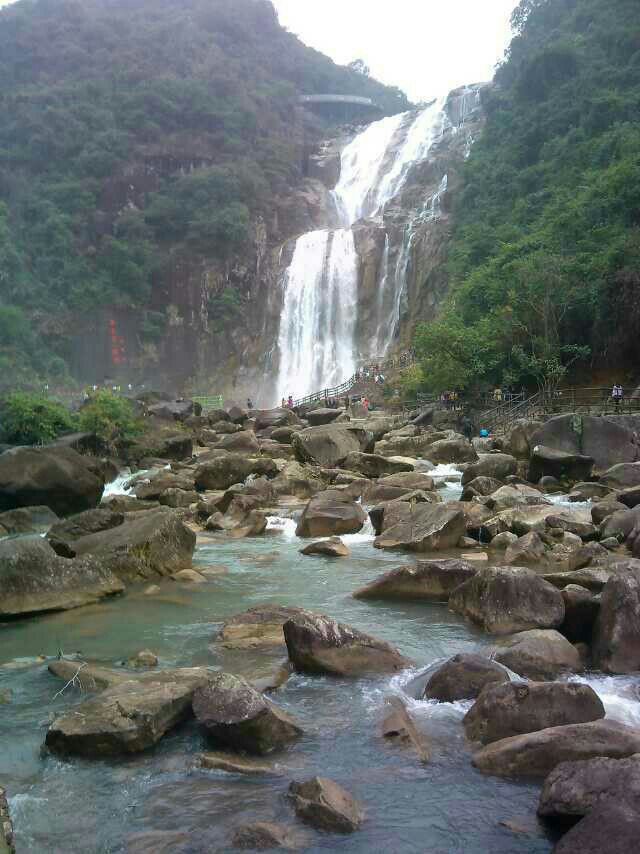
(454, 450)
(34, 579)
(621, 476)
(126, 718)
(373, 465)
(175, 410)
(177, 448)
(539, 654)
(65, 532)
(319, 417)
(620, 524)
(27, 520)
(463, 677)
(333, 547)
(236, 715)
(421, 528)
(331, 513)
(325, 446)
(503, 600)
(244, 441)
(259, 626)
(155, 542)
(515, 708)
(617, 636)
(519, 438)
(610, 827)
(57, 478)
(605, 442)
(274, 418)
(151, 488)
(573, 789)
(563, 465)
(496, 466)
(516, 495)
(389, 513)
(223, 472)
(536, 754)
(318, 644)
(526, 550)
(326, 805)
(428, 580)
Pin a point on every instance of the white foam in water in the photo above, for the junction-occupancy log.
(282, 525)
(620, 696)
(562, 500)
(366, 535)
(443, 471)
(119, 485)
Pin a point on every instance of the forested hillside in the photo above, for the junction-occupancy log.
(545, 256)
(194, 96)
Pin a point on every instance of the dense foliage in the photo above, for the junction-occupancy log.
(30, 419)
(195, 96)
(109, 417)
(545, 257)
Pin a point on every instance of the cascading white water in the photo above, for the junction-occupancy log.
(319, 313)
(361, 166)
(319, 317)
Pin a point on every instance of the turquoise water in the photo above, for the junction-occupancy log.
(89, 806)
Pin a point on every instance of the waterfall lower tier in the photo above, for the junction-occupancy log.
(319, 313)
(342, 303)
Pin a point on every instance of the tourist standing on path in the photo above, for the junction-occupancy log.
(468, 429)
(617, 394)
(290, 402)
(249, 403)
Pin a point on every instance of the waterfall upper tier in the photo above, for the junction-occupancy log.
(344, 292)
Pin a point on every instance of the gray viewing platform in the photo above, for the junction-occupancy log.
(343, 104)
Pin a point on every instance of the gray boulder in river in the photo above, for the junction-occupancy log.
(56, 477)
(539, 654)
(617, 633)
(127, 718)
(427, 580)
(236, 715)
(329, 513)
(324, 804)
(463, 677)
(318, 644)
(514, 708)
(536, 754)
(506, 599)
(422, 527)
(573, 789)
(34, 579)
(328, 445)
(149, 543)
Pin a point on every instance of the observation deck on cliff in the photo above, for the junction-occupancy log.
(346, 105)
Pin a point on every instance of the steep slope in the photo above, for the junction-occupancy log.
(545, 255)
(146, 148)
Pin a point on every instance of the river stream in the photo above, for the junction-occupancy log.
(159, 801)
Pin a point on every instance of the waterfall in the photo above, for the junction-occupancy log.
(317, 340)
(319, 313)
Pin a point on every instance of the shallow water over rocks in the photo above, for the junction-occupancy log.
(161, 798)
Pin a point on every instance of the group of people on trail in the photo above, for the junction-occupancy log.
(330, 403)
(450, 399)
(287, 403)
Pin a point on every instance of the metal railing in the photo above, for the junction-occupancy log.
(209, 402)
(363, 375)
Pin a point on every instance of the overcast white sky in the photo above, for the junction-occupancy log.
(426, 47)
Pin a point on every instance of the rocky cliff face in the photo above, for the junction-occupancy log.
(401, 276)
